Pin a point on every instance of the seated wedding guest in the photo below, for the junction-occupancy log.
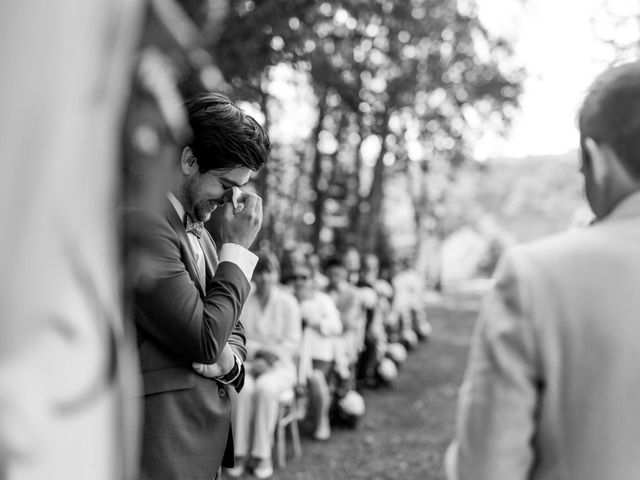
(375, 338)
(552, 386)
(408, 302)
(271, 318)
(347, 300)
(351, 260)
(321, 323)
(320, 279)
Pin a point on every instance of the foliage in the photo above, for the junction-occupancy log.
(509, 201)
(617, 24)
(397, 89)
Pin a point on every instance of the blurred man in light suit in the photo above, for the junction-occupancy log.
(552, 388)
(68, 408)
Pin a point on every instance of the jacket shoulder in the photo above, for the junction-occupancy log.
(557, 247)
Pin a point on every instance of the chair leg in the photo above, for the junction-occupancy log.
(281, 445)
(295, 437)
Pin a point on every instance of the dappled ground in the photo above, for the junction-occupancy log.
(407, 427)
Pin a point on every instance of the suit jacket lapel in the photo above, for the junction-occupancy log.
(185, 248)
(210, 254)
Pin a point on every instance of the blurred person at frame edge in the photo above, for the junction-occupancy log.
(552, 385)
(69, 396)
(67, 376)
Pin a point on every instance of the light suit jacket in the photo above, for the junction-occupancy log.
(182, 318)
(552, 388)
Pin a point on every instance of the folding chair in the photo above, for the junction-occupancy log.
(290, 412)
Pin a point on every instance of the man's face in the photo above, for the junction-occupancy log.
(302, 283)
(337, 275)
(314, 262)
(352, 260)
(264, 281)
(204, 192)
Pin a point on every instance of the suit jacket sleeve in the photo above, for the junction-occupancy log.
(171, 309)
(237, 342)
(499, 396)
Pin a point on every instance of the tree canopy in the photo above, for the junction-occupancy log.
(396, 89)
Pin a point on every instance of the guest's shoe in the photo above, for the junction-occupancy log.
(323, 430)
(321, 437)
(264, 469)
(238, 469)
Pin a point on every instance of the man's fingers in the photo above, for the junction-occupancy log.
(198, 367)
(209, 371)
(251, 201)
(237, 199)
(242, 225)
(248, 203)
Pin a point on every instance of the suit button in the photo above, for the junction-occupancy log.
(222, 392)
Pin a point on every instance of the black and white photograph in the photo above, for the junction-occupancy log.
(320, 239)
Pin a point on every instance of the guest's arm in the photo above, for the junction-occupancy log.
(499, 396)
(292, 334)
(321, 314)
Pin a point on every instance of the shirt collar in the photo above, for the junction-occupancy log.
(627, 207)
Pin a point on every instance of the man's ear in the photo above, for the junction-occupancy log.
(188, 162)
(600, 161)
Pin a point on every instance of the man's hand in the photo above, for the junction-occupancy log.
(242, 218)
(225, 363)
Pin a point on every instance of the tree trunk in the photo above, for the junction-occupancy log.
(354, 211)
(419, 195)
(374, 199)
(373, 218)
(316, 173)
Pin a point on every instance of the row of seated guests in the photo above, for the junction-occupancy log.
(386, 317)
(319, 331)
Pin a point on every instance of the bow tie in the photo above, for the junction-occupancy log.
(193, 227)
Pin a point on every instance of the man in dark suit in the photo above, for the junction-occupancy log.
(191, 344)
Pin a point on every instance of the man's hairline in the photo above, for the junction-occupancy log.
(223, 171)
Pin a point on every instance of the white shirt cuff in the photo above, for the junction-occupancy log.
(243, 258)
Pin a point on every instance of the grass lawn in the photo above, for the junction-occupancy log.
(407, 427)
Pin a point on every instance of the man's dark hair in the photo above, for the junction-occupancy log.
(266, 263)
(224, 137)
(610, 114)
(334, 261)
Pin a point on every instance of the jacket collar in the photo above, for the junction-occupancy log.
(178, 207)
(175, 216)
(185, 246)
